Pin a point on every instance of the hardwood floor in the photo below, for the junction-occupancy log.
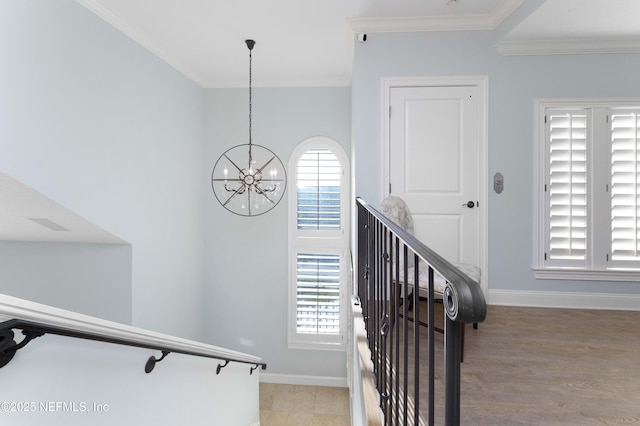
(532, 366)
(523, 366)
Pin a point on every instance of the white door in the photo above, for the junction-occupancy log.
(435, 137)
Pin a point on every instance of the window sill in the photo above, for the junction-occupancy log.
(318, 346)
(587, 274)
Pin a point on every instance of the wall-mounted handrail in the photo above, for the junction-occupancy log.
(32, 330)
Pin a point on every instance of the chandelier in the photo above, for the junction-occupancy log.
(249, 179)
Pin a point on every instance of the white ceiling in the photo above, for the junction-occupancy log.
(310, 42)
(303, 43)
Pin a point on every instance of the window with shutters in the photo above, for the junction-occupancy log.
(318, 244)
(589, 190)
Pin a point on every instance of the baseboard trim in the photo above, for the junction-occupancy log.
(541, 299)
(294, 379)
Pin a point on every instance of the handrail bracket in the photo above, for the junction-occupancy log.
(8, 346)
(151, 362)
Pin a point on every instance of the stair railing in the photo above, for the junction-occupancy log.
(386, 256)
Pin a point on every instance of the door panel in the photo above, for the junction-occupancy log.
(434, 165)
(428, 160)
(444, 230)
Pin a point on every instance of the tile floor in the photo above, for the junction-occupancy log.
(300, 405)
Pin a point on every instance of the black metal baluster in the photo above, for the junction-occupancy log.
(452, 371)
(405, 334)
(373, 335)
(363, 263)
(416, 341)
(384, 319)
(380, 260)
(396, 334)
(379, 310)
(431, 348)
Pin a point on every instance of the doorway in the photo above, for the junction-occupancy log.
(435, 131)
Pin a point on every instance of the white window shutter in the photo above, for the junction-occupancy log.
(319, 178)
(624, 128)
(318, 293)
(319, 183)
(567, 190)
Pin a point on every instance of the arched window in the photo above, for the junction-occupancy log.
(318, 244)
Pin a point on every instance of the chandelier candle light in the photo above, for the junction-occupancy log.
(249, 179)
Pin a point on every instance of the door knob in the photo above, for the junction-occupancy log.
(469, 204)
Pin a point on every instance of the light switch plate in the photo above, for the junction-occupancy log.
(498, 183)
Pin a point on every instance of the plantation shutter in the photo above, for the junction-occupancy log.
(567, 188)
(589, 216)
(318, 293)
(318, 245)
(625, 180)
(318, 190)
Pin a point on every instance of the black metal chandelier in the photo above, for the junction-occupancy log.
(249, 179)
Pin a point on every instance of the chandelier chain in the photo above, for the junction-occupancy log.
(250, 107)
(250, 97)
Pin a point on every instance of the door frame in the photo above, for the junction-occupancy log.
(482, 84)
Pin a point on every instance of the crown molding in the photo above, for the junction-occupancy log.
(436, 23)
(567, 47)
(419, 23)
(284, 83)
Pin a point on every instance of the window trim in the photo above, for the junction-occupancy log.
(568, 273)
(318, 241)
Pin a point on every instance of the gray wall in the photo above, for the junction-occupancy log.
(246, 291)
(97, 123)
(92, 279)
(514, 85)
